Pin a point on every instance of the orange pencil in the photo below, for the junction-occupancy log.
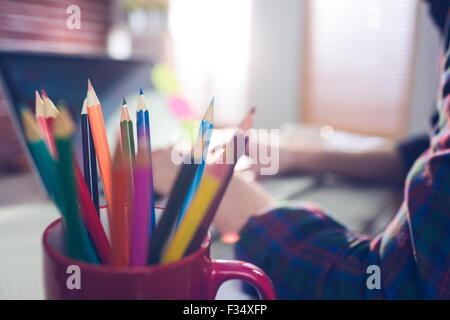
(100, 140)
(43, 124)
(118, 218)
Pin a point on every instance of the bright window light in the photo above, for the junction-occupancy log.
(211, 44)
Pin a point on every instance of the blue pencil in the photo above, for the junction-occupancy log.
(89, 157)
(143, 125)
(205, 132)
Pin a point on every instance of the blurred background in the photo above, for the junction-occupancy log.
(347, 74)
(311, 62)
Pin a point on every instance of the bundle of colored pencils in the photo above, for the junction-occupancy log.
(136, 237)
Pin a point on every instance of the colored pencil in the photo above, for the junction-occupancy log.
(144, 117)
(78, 242)
(140, 228)
(51, 112)
(204, 133)
(100, 141)
(43, 125)
(91, 218)
(118, 217)
(166, 224)
(200, 234)
(127, 148)
(126, 132)
(209, 193)
(45, 164)
(89, 157)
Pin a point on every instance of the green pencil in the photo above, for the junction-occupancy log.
(78, 242)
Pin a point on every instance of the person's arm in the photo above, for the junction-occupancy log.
(308, 255)
(378, 165)
(388, 163)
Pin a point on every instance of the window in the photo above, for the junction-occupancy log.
(358, 63)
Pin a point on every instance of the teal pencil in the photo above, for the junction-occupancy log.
(79, 243)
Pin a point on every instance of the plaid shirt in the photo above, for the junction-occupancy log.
(310, 256)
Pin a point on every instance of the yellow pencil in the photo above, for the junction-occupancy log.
(213, 179)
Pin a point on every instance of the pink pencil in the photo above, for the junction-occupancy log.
(140, 225)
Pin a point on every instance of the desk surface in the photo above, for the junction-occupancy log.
(22, 224)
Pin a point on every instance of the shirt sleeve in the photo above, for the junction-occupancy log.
(308, 255)
(410, 149)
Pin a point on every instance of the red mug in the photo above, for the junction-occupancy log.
(195, 277)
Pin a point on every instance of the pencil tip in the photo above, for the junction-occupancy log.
(63, 125)
(89, 85)
(124, 101)
(212, 101)
(43, 93)
(140, 91)
(84, 108)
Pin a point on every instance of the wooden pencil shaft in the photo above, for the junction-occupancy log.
(168, 219)
(79, 247)
(44, 164)
(149, 148)
(89, 161)
(86, 151)
(199, 210)
(141, 216)
(207, 190)
(102, 149)
(201, 232)
(47, 135)
(118, 216)
(140, 126)
(129, 160)
(126, 141)
(94, 174)
(131, 137)
(204, 133)
(91, 217)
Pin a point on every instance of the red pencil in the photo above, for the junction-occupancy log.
(91, 218)
(43, 124)
(118, 217)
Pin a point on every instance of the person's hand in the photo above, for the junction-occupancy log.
(242, 200)
(263, 158)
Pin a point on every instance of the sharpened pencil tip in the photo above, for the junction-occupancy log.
(89, 85)
(124, 101)
(140, 91)
(212, 101)
(43, 93)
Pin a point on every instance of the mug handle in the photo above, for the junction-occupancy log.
(223, 270)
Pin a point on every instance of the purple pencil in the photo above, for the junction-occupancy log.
(140, 230)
